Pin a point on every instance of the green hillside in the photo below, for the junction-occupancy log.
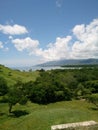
(11, 76)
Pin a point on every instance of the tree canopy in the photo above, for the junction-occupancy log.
(3, 86)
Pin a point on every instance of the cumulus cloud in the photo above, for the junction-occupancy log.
(13, 30)
(26, 44)
(57, 50)
(1, 45)
(86, 45)
(82, 44)
(54, 51)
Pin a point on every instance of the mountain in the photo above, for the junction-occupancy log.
(69, 62)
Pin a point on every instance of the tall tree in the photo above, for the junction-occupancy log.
(16, 95)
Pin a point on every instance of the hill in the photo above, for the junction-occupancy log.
(11, 76)
(70, 62)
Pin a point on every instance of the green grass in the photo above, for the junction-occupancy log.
(41, 117)
(11, 76)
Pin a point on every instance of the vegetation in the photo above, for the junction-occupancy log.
(16, 95)
(41, 117)
(12, 84)
(3, 86)
(59, 85)
(11, 76)
(45, 87)
(93, 99)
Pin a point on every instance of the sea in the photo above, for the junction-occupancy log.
(34, 68)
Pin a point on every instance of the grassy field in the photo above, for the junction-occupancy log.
(11, 76)
(41, 117)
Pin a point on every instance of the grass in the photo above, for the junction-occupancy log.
(11, 76)
(42, 117)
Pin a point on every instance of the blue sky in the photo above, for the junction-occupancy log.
(36, 31)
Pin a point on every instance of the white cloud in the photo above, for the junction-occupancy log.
(13, 30)
(86, 45)
(54, 51)
(57, 50)
(83, 44)
(10, 37)
(1, 45)
(26, 44)
(79, 31)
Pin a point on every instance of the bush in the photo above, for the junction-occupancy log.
(93, 99)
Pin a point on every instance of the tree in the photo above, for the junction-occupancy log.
(92, 85)
(42, 93)
(16, 95)
(81, 91)
(49, 88)
(3, 86)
